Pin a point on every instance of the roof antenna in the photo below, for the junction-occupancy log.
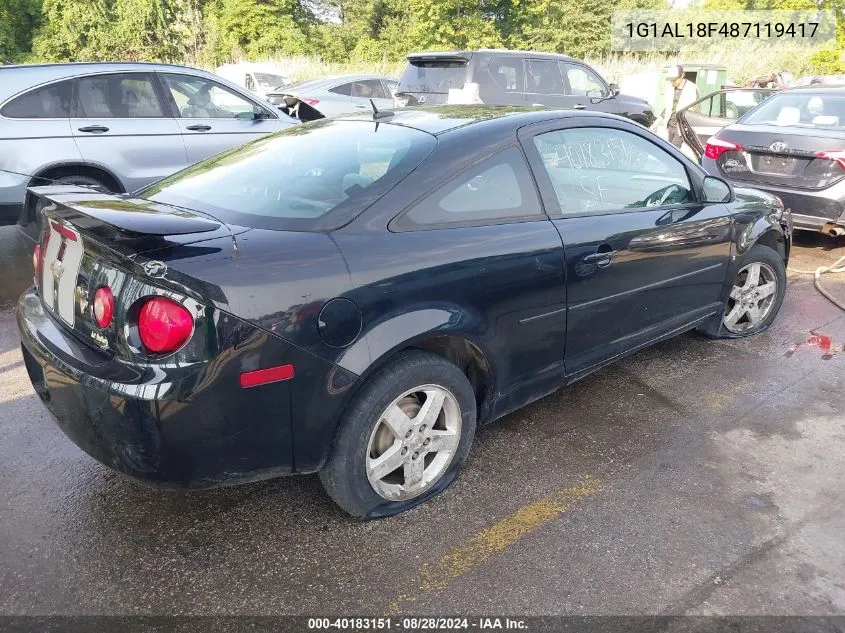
(380, 114)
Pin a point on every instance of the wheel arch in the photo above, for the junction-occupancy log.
(57, 170)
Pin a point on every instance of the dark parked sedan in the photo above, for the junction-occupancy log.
(791, 145)
(354, 296)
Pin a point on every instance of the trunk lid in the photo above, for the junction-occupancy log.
(783, 157)
(90, 239)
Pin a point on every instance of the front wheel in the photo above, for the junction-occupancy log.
(755, 297)
(403, 439)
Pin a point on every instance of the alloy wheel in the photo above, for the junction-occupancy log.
(413, 442)
(752, 297)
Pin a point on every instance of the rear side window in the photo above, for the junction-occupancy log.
(433, 75)
(499, 188)
(119, 96)
(308, 177)
(342, 89)
(544, 78)
(48, 102)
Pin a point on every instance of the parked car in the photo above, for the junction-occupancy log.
(502, 77)
(790, 146)
(260, 79)
(711, 113)
(117, 127)
(354, 296)
(333, 96)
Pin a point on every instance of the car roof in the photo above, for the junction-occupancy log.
(441, 119)
(815, 90)
(499, 52)
(21, 77)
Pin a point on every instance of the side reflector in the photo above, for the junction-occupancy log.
(36, 259)
(264, 376)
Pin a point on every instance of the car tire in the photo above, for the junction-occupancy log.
(385, 425)
(749, 309)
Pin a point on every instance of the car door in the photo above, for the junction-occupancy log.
(544, 84)
(494, 252)
(644, 258)
(120, 123)
(586, 90)
(213, 118)
(704, 118)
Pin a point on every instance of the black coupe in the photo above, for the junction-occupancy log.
(353, 296)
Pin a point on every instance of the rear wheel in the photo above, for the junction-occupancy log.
(404, 438)
(755, 296)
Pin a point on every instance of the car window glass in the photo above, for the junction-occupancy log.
(582, 80)
(49, 102)
(601, 170)
(506, 73)
(710, 107)
(198, 98)
(320, 174)
(498, 188)
(120, 96)
(811, 110)
(369, 89)
(342, 89)
(544, 78)
(392, 87)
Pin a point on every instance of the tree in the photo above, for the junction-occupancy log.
(18, 21)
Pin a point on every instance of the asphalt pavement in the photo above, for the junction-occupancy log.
(695, 477)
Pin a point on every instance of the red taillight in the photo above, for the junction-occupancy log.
(164, 325)
(716, 147)
(836, 157)
(311, 102)
(103, 307)
(263, 376)
(36, 259)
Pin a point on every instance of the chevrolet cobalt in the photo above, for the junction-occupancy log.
(354, 296)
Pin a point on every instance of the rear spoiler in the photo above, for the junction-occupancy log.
(459, 56)
(123, 212)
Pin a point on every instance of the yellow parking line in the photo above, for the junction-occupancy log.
(490, 541)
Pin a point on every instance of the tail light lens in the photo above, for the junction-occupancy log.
(716, 147)
(103, 307)
(836, 157)
(164, 325)
(311, 102)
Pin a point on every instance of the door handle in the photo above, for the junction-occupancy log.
(579, 106)
(602, 259)
(199, 127)
(97, 129)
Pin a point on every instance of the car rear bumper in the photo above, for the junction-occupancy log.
(173, 428)
(811, 210)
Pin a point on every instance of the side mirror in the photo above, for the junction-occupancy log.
(596, 95)
(614, 90)
(716, 190)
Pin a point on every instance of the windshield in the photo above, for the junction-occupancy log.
(807, 110)
(308, 177)
(436, 75)
(266, 80)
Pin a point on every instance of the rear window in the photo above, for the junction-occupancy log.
(813, 111)
(309, 177)
(49, 102)
(433, 75)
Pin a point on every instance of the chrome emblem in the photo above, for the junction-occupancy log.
(155, 268)
(57, 268)
(81, 298)
(421, 99)
(101, 340)
(778, 146)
